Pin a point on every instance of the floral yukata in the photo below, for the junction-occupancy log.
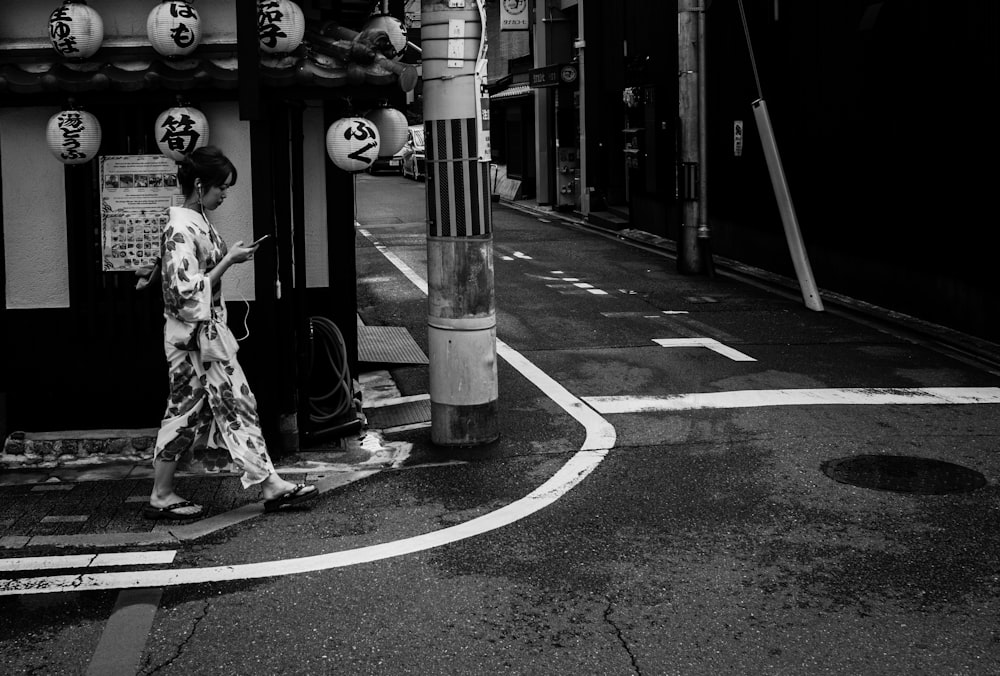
(210, 405)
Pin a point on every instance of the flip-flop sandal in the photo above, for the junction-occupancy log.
(168, 512)
(297, 495)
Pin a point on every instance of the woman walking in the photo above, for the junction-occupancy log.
(210, 402)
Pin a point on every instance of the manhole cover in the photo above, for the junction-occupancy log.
(903, 474)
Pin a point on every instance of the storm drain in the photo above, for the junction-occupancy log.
(398, 415)
(903, 474)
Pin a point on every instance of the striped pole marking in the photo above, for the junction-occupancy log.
(458, 184)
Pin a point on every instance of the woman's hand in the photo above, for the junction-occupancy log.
(239, 253)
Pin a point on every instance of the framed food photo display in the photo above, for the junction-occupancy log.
(135, 193)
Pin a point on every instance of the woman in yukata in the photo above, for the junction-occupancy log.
(210, 403)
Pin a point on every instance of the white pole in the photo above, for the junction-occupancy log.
(800, 259)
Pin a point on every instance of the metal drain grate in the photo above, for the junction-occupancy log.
(903, 474)
(388, 345)
(398, 415)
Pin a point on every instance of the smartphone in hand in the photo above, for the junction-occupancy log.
(258, 241)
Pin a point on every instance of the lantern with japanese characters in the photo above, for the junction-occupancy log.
(280, 26)
(181, 130)
(76, 30)
(391, 125)
(174, 28)
(352, 143)
(74, 136)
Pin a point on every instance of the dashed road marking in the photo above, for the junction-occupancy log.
(709, 343)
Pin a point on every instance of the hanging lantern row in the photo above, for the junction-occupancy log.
(173, 27)
(74, 136)
(391, 125)
(352, 143)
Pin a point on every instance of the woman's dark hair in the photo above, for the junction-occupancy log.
(207, 164)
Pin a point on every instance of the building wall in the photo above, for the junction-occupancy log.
(34, 213)
(881, 116)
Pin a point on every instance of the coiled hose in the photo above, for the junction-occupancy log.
(334, 409)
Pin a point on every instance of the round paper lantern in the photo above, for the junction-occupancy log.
(174, 28)
(392, 26)
(76, 30)
(180, 130)
(391, 125)
(74, 136)
(280, 26)
(352, 143)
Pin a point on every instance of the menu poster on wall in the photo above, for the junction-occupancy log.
(135, 193)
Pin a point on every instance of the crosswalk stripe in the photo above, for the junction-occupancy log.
(87, 560)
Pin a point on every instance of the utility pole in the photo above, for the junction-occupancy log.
(461, 318)
(689, 255)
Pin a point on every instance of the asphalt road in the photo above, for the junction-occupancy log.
(705, 540)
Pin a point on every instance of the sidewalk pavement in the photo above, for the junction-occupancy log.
(96, 501)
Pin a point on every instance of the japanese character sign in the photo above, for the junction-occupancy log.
(174, 28)
(352, 143)
(181, 130)
(76, 30)
(74, 136)
(280, 25)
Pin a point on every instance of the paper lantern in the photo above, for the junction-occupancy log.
(280, 26)
(352, 143)
(174, 28)
(76, 30)
(181, 130)
(392, 26)
(74, 136)
(391, 125)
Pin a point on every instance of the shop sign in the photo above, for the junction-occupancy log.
(514, 15)
(553, 75)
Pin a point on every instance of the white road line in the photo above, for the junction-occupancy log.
(87, 560)
(802, 397)
(407, 271)
(600, 438)
(710, 343)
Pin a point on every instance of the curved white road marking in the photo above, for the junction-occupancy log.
(599, 440)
